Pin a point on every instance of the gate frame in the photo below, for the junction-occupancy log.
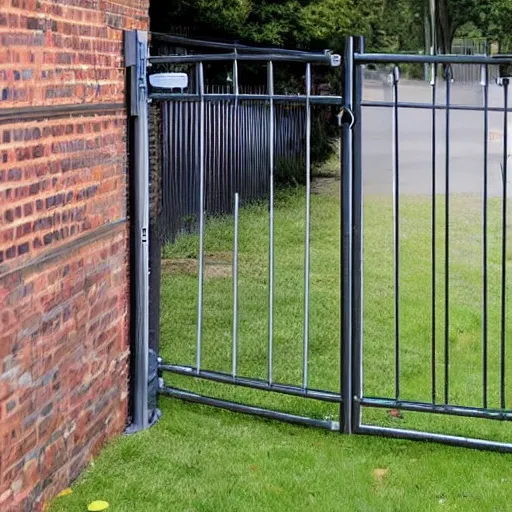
(240, 53)
(355, 58)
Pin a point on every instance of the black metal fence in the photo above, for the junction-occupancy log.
(236, 154)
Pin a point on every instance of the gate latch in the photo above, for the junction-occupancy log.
(345, 117)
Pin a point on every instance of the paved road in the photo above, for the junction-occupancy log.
(415, 132)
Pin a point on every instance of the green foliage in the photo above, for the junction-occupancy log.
(388, 25)
(290, 172)
(498, 20)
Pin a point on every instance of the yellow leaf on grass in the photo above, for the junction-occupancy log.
(97, 506)
(65, 492)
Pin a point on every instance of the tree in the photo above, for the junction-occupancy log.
(496, 21)
(389, 25)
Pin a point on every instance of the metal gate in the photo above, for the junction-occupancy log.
(230, 159)
(438, 111)
(349, 397)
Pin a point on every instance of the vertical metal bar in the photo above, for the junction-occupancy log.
(191, 141)
(197, 130)
(346, 245)
(396, 225)
(357, 244)
(201, 218)
(214, 197)
(136, 50)
(210, 155)
(236, 134)
(504, 248)
(485, 85)
(165, 172)
(247, 161)
(247, 174)
(176, 140)
(231, 148)
(186, 159)
(240, 150)
(447, 243)
(433, 83)
(219, 168)
(308, 228)
(270, 72)
(252, 134)
(227, 199)
(235, 289)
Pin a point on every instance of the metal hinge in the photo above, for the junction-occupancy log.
(346, 116)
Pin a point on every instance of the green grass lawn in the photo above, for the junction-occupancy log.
(198, 458)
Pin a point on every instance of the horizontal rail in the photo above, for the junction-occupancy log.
(393, 58)
(263, 57)
(453, 410)
(430, 106)
(249, 409)
(224, 378)
(185, 41)
(413, 435)
(299, 98)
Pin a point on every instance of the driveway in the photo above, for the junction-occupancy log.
(466, 140)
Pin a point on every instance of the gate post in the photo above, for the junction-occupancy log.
(346, 121)
(357, 243)
(136, 51)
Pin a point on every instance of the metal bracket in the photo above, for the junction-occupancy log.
(136, 62)
(335, 60)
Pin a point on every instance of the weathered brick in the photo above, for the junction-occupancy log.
(45, 165)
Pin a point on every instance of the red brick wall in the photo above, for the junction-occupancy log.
(63, 240)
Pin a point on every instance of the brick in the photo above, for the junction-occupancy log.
(14, 174)
(23, 229)
(45, 166)
(23, 248)
(28, 209)
(38, 151)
